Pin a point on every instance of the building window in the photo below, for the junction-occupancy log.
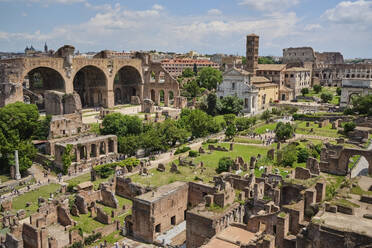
(173, 220)
(233, 86)
(158, 228)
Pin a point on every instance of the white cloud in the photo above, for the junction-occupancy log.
(157, 7)
(348, 12)
(311, 27)
(214, 12)
(269, 5)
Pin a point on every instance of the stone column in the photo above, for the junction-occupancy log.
(106, 147)
(166, 98)
(97, 150)
(77, 150)
(17, 174)
(250, 104)
(110, 99)
(88, 148)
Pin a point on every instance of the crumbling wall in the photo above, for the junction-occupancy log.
(126, 188)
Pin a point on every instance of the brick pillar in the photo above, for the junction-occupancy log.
(110, 99)
(97, 149)
(77, 153)
(320, 191)
(106, 147)
(88, 149)
(44, 242)
(282, 228)
(166, 98)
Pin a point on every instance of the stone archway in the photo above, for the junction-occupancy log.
(90, 83)
(352, 96)
(128, 79)
(40, 79)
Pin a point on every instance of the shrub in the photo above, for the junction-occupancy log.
(302, 155)
(212, 141)
(78, 244)
(326, 97)
(91, 238)
(182, 150)
(317, 88)
(289, 155)
(224, 164)
(70, 187)
(193, 154)
(349, 126)
(304, 91)
(338, 91)
(348, 111)
(129, 162)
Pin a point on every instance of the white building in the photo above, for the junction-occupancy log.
(297, 78)
(354, 87)
(236, 82)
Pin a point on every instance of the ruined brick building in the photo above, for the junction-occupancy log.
(63, 82)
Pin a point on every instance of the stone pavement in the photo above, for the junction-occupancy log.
(361, 168)
(167, 237)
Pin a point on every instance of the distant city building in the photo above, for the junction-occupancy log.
(175, 67)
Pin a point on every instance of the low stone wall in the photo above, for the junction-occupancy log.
(6, 187)
(106, 230)
(126, 188)
(366, 199)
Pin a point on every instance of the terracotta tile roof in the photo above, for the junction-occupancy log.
(258, 79)
(271, 67)
(297, 69)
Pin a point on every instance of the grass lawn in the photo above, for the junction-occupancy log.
(326, 131)
(331, 90)
(262, 129)
(246, 140)
(86, 223)
(110, 239)
(85, 178)
(210, 161)
(32, 196)
(4, 178)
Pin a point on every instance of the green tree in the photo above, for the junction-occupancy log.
(230, 131)
(244, 123)
(173, 133)
(198, 122)
(195, 69)
(326, 97)
(209, 78)
(283, 131)
(212, 104)
(230, 105)
(67, 158)
(224, 164)
(302, 155)
(304, 91)
(187, 73)
(349, 126)
(266, 60)
(266, 115)
(317, 88)
(19, 122)
(229, 118)
(121, 125)
(128, 145)
(289, 155)
(362, 105)
(191, 89)
(338, 91)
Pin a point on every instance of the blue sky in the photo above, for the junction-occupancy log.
(206, 26)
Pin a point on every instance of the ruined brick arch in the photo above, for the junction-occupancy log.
(52, 78)
(91, 83)
(127, 82)
(347, 153)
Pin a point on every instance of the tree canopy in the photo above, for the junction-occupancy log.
(209, 78)
(230, 105)
(19, 123)
(283, 131)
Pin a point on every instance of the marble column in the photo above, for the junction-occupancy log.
(17, 174)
